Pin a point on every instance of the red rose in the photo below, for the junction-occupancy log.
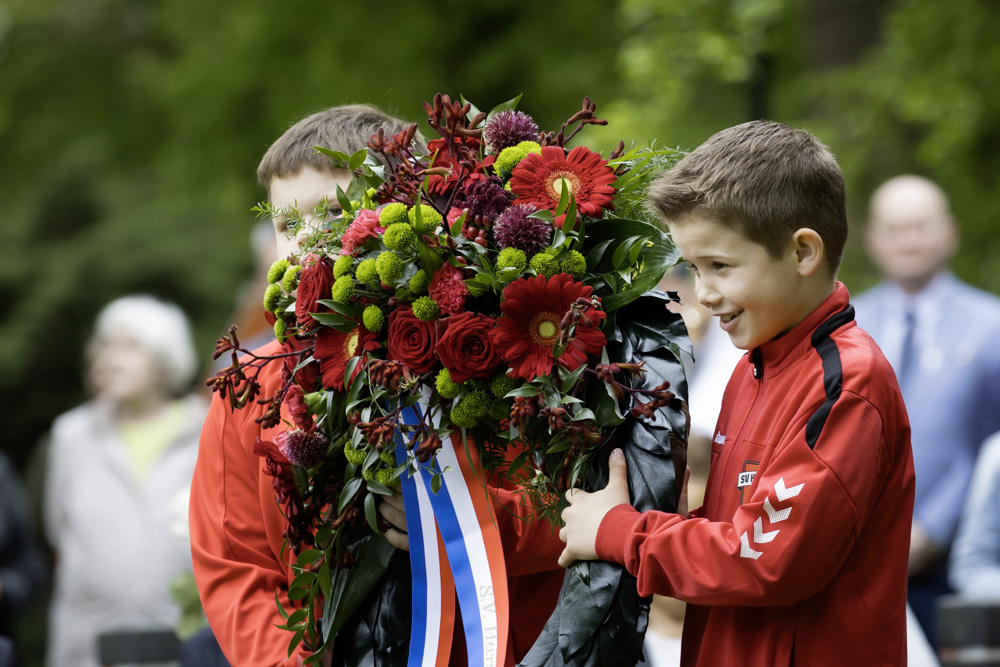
(315, 283)
(411, 340)
(465, 347)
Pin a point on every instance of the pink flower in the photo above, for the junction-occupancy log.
(448, 289)
(365, 226)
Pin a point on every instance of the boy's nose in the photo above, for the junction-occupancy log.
(705, 293)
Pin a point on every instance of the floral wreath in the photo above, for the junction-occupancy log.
(483, 278)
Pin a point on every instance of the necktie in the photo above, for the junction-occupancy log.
(908, 354)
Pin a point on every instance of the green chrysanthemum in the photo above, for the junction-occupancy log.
(399, 237)
(277, 270)
(373, 318)
(388, 457)
(342, 266)
(512, 258)
(382, 475)
(426, 309)
(499, 409)
(428, 216)
(391, 214)
(575, 265)
(475, 290)
(462, 417)
(343, 289)
(445, 387)
(280, 329)
(353, 455)
(366, 272)
(530, 146)
(271, 296)
(544, 265)
(419, 282)
(291, 274)
(508, 159)
(477, 403)
(501, 385)
(389, 267)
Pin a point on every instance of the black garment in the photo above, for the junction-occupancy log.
(23, 568)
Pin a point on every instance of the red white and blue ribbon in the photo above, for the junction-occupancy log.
(459, 514)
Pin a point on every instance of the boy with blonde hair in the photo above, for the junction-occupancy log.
(798, 555)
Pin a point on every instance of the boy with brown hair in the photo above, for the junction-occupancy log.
(241, 563)
(798, 555)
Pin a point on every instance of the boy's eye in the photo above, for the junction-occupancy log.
(334, 211)
(718, 266)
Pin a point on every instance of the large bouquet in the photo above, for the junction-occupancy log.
(480, 290)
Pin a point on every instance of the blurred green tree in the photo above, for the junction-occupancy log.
(131, 131)
(892, 86)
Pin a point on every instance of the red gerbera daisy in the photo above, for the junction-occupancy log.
(533, 309)
(335, 348)
(540, 179)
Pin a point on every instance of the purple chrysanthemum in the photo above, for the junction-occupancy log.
(305, 449)
(488, 198)
(515, 228)
(509, 128)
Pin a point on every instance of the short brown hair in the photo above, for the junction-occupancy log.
(765, 180)
(345, 129)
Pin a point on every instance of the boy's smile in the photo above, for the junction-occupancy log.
(755, 296)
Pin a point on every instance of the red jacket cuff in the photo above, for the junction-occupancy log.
(614, 531)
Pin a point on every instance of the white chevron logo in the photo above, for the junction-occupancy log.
(759, 536)
(745, 550)
(785, 494)
(773, 515)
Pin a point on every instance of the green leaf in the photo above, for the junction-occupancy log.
(558, 239)
(357, 159)
(435, 484)
(504, 106)
(585, 413)
(572, 378)
(349, 491)
(307, 557)
(379, 489)
(324, 579)
(340, 160)
(570, 222)
(339, 307)
(294, 642)
(349, 586)
(371, 514)
(343, 200)
(456, 227)
(525, 390)
(595, 254)
(653, 259)
(335, 321)
(297, 593)
(622, 251)
(281, 607)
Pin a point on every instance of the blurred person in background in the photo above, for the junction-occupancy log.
(975, 558)
(939, 334)
(23, 568)
(118, 467)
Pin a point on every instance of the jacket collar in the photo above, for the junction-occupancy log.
(774, 355)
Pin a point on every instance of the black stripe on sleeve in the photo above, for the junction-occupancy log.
(833, 375)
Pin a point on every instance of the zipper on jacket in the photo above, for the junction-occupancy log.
(758, 364)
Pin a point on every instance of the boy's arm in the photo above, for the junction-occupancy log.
(785, 543)
(235, 567)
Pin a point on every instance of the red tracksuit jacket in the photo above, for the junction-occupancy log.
(798, 555)
(236, 544)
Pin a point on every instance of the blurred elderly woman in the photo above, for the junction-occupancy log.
(118, 475)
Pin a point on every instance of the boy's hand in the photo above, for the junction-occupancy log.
(391, 509)
(586, 511)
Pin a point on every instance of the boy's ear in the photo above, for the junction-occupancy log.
(809, 250)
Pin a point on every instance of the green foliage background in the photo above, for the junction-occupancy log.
(130, 129)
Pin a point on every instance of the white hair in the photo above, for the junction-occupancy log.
(159, 326)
